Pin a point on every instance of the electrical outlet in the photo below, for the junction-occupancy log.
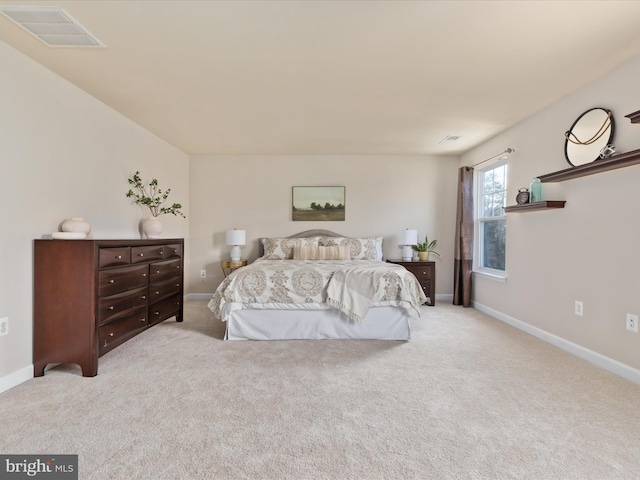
(632, 322)
(203, 274)
(4, 326)
(578, 308)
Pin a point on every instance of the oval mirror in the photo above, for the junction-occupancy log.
(589, 134)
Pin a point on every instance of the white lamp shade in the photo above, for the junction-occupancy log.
(408, 237)
(236, 237)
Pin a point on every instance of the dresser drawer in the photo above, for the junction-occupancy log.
(114, 333)
(172, 251)
(161, 271)
(164, 309)
(122, 304)
(147, 253)
(158, 291)
(118, 280)
(112, 257)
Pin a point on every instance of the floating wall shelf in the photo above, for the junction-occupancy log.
(634, 117)
(611, 163)
(529, 207)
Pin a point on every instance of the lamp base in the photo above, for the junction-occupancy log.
(236, 253)
(407, 253)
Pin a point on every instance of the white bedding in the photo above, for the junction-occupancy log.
(272, 290)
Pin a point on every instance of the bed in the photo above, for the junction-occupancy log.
(318, 284)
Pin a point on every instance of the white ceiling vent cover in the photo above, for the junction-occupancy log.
(52, 25)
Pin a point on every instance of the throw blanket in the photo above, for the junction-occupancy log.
(352, 290)
(295, 282)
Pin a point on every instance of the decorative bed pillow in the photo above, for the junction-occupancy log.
(282, 248)
(359, 248)
(321, 253)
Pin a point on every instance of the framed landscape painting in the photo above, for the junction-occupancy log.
(323, 204)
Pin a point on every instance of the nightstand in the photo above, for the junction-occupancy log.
(425, 272)
(229, 266)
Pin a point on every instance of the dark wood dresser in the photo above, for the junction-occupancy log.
(92, 295)
(425, 272)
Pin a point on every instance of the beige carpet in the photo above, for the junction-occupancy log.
(468, 398)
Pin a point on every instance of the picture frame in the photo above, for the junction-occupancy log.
(318, 204)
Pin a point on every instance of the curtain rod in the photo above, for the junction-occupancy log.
(506, 152)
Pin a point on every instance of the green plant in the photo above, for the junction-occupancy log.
(426, 246)
(152, 196)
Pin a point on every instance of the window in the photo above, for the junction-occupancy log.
(491, 225)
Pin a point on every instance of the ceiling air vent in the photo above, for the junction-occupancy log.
(449, 139)
(52, 25)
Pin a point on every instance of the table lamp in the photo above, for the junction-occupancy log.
(407, 238)
(236, 238)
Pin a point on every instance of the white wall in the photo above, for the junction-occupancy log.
(587, 251)
(384, 194)
(64, 154)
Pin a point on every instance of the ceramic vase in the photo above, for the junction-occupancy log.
(76, 225)
(152, 227)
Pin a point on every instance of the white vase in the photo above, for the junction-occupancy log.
(76, 225)
(152, 227)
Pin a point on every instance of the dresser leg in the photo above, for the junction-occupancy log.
(89, 369)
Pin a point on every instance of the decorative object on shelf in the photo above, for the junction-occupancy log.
(76, 225)
(318, 204)
(152, 197)
(235, 238)
(407, 239)
(588, 135)
(609, 150)
(535, 191)
(523, 196)
(425, 248)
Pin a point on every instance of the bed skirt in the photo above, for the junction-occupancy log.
(380, 323)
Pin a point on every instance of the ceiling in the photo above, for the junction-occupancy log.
(335, 77)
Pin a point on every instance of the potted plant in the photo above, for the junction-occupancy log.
(425, 248)
(152, 197)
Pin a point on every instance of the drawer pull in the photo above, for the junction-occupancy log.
(111, 307)
(143, 320)
(157, 271)
(143, 297)
(112, 281)
(119, 257)
(111, 334)
(178, 266)
(161, 252)
(156, 313)
(141, 254)
(144, 274)
(177, 284)
(157, 293)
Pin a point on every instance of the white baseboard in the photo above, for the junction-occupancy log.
(609, 364)
(16, 378)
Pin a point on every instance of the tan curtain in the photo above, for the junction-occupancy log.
(463, 258)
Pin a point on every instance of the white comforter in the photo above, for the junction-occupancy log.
(304, 282)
